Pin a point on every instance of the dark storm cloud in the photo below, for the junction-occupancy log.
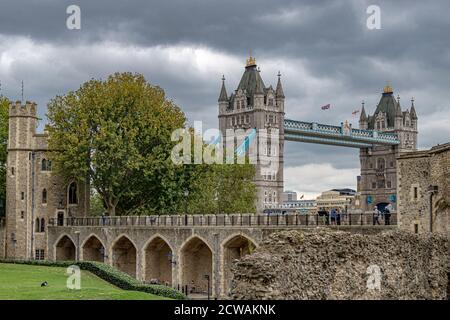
(323, 49)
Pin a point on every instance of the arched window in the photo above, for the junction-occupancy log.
(73, 199)
(42, 225)
(46, 165)
(44, 196)
(37, 227)
(381, 163)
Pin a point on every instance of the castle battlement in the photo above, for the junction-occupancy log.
(17, 109)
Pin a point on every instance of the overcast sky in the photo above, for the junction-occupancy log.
(324, 50)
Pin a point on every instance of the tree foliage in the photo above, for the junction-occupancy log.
(113, 133)
(116, 134)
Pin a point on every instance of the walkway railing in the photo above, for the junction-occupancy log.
(232, 220)
(310, 130)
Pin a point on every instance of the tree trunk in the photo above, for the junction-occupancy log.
(111, 210)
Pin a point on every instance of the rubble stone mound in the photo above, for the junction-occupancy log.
(341, 265)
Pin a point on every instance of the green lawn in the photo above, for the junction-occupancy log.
(23, 282)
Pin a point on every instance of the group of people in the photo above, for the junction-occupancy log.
(384, 214)
(334, 217)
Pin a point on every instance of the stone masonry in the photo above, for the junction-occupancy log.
(254, 106)
(377, 185)
(340, 265)
(33, 194)
(417, 172)
(179, 255)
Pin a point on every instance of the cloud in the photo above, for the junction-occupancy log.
(323, 49)
(312, 179)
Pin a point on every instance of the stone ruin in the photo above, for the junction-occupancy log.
(341, 265)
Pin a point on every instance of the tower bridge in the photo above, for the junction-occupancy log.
(47, 217)
(381, 137)
(343, 135)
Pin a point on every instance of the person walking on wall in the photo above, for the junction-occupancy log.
(387, 214)
(376, 216)
(333, 216)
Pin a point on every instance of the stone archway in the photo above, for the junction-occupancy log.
(124, 256)
(93, 250)
(196, 266)
(234, 249)
(65, 249)
(158, 262)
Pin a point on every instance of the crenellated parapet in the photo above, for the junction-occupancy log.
(17, 109)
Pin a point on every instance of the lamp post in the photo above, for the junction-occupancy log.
(171, 258)
(186, 195)
(77, 249)
(208, 280)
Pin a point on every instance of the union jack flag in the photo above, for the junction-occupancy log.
(325, 107)
(355, 112)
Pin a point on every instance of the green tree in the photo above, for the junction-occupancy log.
(115, 134)
(4, 104)
(223, 188)
(97, 207)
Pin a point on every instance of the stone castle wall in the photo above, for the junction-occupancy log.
(220, 240)
(418, 171)
(27, 182)
(334, 265)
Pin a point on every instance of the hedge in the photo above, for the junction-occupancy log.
(106, 272)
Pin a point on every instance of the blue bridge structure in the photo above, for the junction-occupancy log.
(343, 135)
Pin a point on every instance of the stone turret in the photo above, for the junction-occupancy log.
(363, 118)
(19, 209)
(34, 195)
(413, 115)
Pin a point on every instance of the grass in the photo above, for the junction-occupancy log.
(23, 282)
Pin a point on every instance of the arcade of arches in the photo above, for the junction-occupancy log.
(196, 261)
(158, 262)
(93, 250)
(124, 256)
(65, 249)
(234, 249)
(190, 262)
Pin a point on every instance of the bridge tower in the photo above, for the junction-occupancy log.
(378, 182)
(253, 105)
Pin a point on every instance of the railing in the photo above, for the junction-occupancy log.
(319, 128)
(232, 220)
